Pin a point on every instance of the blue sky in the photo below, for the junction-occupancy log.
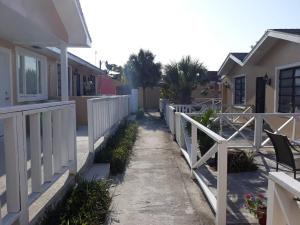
(205, 29)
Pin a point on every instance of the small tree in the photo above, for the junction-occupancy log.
(141, 71)
(182, 77)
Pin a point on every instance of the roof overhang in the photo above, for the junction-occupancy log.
(55, 52)
(228, 64)
(266, 42)
(72, 17)
(43, 23)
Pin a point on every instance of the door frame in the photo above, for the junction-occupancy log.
(9, 52)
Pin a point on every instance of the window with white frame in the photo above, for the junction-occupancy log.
(289, 90)
(239, 90)
(31, 76)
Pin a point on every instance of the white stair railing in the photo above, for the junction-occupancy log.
(103, 114)
(55, 154)
(283, 194)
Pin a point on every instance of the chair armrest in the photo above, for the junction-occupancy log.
(295, 144)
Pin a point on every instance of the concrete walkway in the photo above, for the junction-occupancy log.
(156, 188)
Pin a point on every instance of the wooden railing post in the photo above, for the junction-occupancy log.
(72, 141)
(22, 164)
(47, 146)
(90, 124)
(258, 131)
(193, 156)
(35, 149)
(222, 184)
(179, 131)
(294, 128)
(11, 165)
(57, 136)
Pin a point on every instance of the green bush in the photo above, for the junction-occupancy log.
(87, 202)
(118, 148)
(206, 119)
(240, 161)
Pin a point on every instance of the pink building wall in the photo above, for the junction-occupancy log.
(105, 85)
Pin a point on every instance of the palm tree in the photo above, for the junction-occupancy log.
(182, 77)
(141, 71)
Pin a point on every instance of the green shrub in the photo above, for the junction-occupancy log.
(240, 161)
(206, 119)
(118, 161)
(87, 202)
(118, 148)
(140, 113)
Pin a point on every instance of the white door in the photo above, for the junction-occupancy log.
(5, 76)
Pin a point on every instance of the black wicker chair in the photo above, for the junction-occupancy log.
(284, 152)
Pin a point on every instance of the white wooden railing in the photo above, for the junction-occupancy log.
(103, 114)
(239, 122)
(195, 160)
(283, 198)
(189, 146)
(49, 131)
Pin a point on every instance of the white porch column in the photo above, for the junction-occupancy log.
(64, 73)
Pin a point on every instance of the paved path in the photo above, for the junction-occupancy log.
(157, 188)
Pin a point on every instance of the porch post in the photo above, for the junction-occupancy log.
(64, 73)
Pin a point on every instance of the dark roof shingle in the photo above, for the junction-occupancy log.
(240, 55)
(288, 31)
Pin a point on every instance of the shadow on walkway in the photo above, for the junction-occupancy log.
(157, 188)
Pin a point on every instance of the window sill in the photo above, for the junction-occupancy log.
(32, 98)
(239, 106)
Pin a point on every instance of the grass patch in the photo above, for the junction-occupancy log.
(118, 148)
(87, 202)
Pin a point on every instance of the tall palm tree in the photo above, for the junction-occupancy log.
(141, 71)
(182, 77)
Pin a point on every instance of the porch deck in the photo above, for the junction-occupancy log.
(239, 184)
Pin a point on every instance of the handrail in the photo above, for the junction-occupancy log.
(22, 108)
(282, 207)
(216, 137)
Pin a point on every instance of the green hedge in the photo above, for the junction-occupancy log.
(87, 203)
(118, 148)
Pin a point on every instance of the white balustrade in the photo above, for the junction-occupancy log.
(283, 196)
(189, 148)
(103, 114)
(218, 203)
(47, 148)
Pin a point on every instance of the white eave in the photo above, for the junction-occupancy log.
(43, 23)
(72, 17)
(229, 62)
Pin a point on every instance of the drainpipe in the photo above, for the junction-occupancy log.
(64, 72)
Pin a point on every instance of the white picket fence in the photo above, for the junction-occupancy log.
(51, 142)
(103, 114)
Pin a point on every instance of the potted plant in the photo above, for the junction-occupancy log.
(257, 206)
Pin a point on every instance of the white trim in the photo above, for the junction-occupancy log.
(233, 58)
(8, 51)
(44, 76)
(254, 49)
(269, 33)
(276, 87)
(233, 91)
